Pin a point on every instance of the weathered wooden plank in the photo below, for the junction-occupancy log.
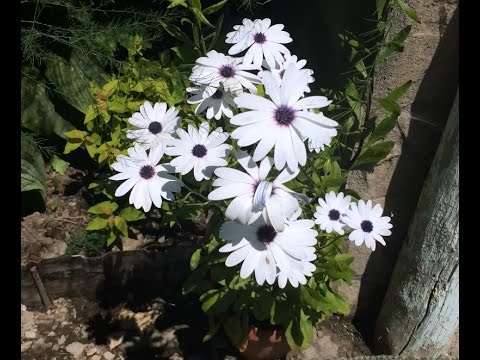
(420, 310)
(116, 276)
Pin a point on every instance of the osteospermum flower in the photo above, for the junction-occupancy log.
(217, 69)
(263, 249)
(317, 146)
(241, 32)
(299, 64)
(253, 194)
(331, 211)
(367, 223)
(199, 150)
(262, 41)
(218, 104)
(148, 181)
(282, 122)
(153, 125)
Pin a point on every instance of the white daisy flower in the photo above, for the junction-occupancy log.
(280, 71)
(262, 41)
(199, 150)
(253, 194)
(241, 32)
(148, 181)
(267, 251)
(220, 103)
(331, 211)
(153, 125)
(218, 69)
(282, 122)
(317, 146)
(367, 223)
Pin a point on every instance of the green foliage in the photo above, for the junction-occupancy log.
(87, 243)
(107, 220)
(32, 166)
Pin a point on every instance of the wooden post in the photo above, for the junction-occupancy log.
(420, 311)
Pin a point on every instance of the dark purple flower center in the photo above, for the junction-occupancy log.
(147, 172)
(282, 73)
(284, 115)
(259, 38)
(334, 215)
(266, 234)
(227, 71)
(155, 127)
(217, 95)
(199, 151)
(366, 226)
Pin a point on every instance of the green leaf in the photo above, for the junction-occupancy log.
(175, 3)
(76, 134)
(70, 82)
(383, 128)
(90, 114)
(213, 327)
(97, 223)
(262, 306)
(408, 11)
(396, 45)
(236, 326)
(380, 7)
(38, 112)
(306, 328)
(121, 225)
(214, 8)
(104, 208)
(32, 179)
(194, 279)
(391, 106)
(175, 32)
(59, 165)
(195, 259)
(111, 238)
(216, 34)
(71, 145)
(132, 214)
(398, 92)
(295, 337)
(372, 155)
(353, 99)
(110, 87)
(339, 268)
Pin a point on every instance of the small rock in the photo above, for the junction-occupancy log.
(24, 308)
(90, 349)
(55, 326)
(51, 333)
(96, 357)
(26, 345)
(115, 339)
(64, 323)
(39, 345)
(27, 316)
(76, 349)
(31, 334)
(109, 356)
(55, 347)
(62, 340)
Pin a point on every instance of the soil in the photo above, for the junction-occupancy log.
(78, 328)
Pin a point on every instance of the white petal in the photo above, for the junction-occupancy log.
(127, 186)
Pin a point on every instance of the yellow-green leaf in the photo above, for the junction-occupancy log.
(90, 114)
(97, 223)
(121, 225)
(76, 134)
(131, 214)
(110, 87)
(71, 145)
(105, 208)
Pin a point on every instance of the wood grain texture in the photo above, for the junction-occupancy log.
(420, 310)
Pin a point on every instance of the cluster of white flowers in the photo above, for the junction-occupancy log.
(264, 231)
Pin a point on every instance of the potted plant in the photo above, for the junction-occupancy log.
(252, 148)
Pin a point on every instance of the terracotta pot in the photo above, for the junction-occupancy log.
(264, 344)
